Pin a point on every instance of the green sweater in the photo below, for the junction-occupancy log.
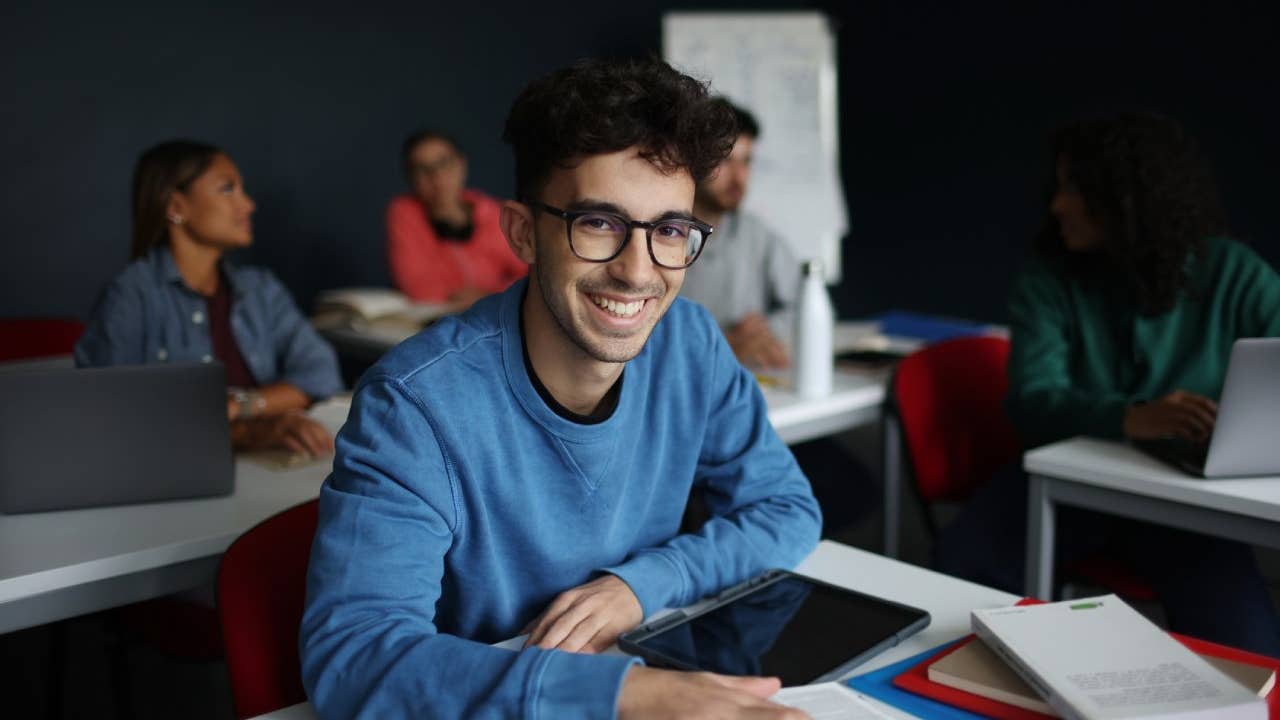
(1080, 357)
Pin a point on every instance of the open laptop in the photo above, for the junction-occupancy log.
(1245, 441)
(72, 438)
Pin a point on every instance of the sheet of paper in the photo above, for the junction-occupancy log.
(829, 701)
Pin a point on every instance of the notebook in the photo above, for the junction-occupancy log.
(73, 438)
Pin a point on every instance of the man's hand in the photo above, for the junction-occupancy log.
(1179, 414)
(588, 618)
(755, 345)
(293, 431)
(648, 692)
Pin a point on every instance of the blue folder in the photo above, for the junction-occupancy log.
(928, 328)
(879, 685)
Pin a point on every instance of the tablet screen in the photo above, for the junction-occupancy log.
(793, 629)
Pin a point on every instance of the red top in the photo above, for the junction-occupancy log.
(225, 347)
(428, 269)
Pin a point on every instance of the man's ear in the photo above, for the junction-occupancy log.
(517, 224)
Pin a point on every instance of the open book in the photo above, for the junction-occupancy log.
(374, 307)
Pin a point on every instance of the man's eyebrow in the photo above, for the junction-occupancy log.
(606, 206)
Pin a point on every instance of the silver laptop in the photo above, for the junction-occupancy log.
(1246, 435)
(73, 438)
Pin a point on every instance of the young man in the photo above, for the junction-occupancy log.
(749, 273)
(524, 467)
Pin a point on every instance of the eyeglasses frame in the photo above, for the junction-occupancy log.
(570, 216)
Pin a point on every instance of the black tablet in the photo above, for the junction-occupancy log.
(779, 624)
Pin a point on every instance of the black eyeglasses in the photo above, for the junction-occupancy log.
(600, 236)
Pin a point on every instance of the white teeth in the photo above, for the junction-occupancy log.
(617, 308)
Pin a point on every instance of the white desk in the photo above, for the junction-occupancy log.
(56, 565)
(855, 399)
(947, 599)
(1117, 479)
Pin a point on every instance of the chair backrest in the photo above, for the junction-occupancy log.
(261, 590)
(949, 398)
(25, 338)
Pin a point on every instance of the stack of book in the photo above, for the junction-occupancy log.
(1095, 658)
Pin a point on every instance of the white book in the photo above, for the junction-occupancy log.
(1099, 659)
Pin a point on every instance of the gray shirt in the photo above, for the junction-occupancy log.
(745, 267)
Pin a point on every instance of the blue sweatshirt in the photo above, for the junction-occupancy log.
(460, 505)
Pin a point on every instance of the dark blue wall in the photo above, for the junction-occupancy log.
(944, 112)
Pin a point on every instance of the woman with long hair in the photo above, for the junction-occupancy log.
(1122, 326)
(180, 300)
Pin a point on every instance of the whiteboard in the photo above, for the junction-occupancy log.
(782, 67)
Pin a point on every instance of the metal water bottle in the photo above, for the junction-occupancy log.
(815, 322)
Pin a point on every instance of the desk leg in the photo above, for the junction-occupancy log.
(1040, 529)
(892, 440)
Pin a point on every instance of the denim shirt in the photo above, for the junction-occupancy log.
(149, 315)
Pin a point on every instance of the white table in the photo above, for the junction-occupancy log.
(56, 565)
(947, 599)
(1117, 479)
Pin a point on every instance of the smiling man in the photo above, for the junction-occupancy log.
(524, 467)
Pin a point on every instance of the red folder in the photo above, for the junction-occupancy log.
(916, 680)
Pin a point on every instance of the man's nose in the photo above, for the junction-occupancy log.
(633, 265)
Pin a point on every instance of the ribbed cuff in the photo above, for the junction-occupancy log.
(653, 578)
(577, 685)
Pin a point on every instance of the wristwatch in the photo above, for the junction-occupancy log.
(249, 402)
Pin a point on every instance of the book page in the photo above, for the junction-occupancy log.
(828, 701)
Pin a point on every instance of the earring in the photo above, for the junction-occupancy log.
(175, 218)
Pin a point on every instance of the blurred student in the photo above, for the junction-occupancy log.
(748, 278)
(444, 243)
(747, 274)
(1122, 328)
(180, 300)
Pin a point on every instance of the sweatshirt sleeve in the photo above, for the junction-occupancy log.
(369, 641)
(763, 511)
(1042, 403)
(420, 266)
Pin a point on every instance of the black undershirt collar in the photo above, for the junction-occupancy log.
(603, 412)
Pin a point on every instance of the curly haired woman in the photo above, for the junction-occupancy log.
(1122, 328)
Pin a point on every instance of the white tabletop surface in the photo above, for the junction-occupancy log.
(947, 599)
(1119, 466)
(850, 391)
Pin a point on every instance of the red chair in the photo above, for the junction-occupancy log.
(261, 590)
(948, 401)
(27, 338)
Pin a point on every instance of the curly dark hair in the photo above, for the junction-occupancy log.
(594, 107)
(747, 123)
(1147, 186)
